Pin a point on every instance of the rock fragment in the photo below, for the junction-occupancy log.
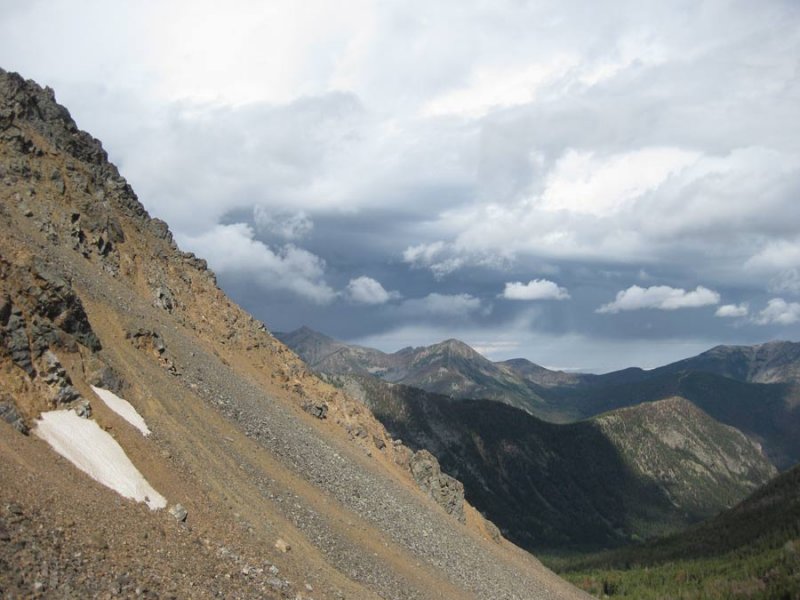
(179, 512)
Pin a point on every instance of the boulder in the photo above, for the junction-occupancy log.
(163, 299)
(179, 512)
(317, 409)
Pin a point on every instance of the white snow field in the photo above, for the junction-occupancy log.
(96, 453)
(123, 408)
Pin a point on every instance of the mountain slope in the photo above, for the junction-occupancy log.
(749, 551)
(773, 362)
(588, 484)
(768, 413)
(701, 464)
(290, 485)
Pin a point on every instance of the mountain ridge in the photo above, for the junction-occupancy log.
(725, 381)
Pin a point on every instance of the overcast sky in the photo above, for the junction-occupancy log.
(588, 185)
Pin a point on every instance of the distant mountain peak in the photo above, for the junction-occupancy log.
(455, 346)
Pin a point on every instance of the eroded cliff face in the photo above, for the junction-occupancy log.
(292, 488)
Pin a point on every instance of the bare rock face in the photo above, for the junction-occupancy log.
(9, 414)
(447, 491)
(40, 310)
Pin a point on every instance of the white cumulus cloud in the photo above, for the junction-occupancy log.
(732, 310)
(535, 289)
(662, 297)
(234, 249)
(366, 290)
(779, 312)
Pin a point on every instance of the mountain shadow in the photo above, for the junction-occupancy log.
(552, 487)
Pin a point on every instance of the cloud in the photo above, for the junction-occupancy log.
(732, 310)
(434, 256)
(535, 289)
(443, 305)
(779, 312)
(499, 88)
(583, 183)
(365, 290)
(787, 281)
(292, 226)
(444, 258)
(776, 256)
(661, 297)
(378, 137)
(233, 249)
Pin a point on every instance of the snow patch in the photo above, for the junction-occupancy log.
(96, 453)
(123, 408)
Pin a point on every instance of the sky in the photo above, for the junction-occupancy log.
(587, 185)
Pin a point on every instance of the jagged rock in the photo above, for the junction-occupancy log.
(359, 431)
(66, 394)
(402, 455)
(144, 339)
(58, 181)
(160, 229)
(164, 299)
(16, 341)
(282, 546)
(380, 444)
(57, 302)
(83, 409)
(44, 335)
(447, 491)
(9, 414)
(317, 409)
(493, 531)
(105, 377)
(179, 512)
(53, 369)
(56, 376)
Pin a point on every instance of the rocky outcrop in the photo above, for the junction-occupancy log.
(446, 491)
(41, 317)
(40, 310)
(152, 344)
(9, 414)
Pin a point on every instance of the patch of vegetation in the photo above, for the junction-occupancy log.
(770, 574)
(751, 551)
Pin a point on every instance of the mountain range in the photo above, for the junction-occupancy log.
(451, 367)
(753, 388)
